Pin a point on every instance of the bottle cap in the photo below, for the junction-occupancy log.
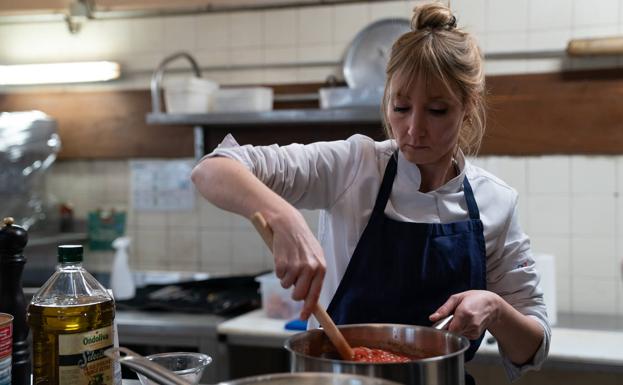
(70, 253)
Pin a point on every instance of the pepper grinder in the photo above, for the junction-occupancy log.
(13, 239)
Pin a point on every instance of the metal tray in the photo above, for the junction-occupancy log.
(368, 54)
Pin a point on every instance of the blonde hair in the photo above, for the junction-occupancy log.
(435, 49)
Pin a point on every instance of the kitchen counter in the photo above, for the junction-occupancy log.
(255, 328)
(140, 324)
(578, 341)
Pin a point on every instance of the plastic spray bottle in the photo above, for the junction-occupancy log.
(121, 281)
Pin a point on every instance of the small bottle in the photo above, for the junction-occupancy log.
(66, 220)
(72, 323)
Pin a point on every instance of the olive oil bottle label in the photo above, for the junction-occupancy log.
(81, 357)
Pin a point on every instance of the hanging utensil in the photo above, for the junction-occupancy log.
(334, 334)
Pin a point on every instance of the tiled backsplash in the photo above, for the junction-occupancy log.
(307, 36)
(569, 205)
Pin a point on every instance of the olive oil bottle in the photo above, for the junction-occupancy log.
(72, 323)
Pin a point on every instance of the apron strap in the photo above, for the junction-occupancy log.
(472, 207)
(386, 186)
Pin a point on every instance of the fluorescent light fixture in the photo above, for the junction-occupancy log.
(78, 72)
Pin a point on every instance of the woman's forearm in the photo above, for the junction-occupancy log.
(299, 260)
(518, 335)
(229, 185)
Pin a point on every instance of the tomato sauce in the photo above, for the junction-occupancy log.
(363, 354)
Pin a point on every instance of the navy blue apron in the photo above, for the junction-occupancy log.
(401, 272)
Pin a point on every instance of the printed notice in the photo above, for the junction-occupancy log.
(162, 185)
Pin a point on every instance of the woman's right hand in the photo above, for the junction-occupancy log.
(299, 259)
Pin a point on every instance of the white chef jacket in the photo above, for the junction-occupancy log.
(342, 179)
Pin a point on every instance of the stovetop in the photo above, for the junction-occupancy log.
(224, 296)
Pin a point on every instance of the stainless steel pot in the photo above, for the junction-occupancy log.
(309, 379)
(311, 351)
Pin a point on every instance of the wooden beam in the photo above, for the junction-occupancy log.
(557, 113)
(17, 7)
(536, 114)
(106, 124)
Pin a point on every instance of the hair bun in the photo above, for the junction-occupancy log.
(433, 16)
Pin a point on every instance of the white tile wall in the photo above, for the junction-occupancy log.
(593, 295)
(315, 25)
(387, 10)
(570, 205)
(348, 20)
(594, 257)
(549, 175)
(506, 16)
(540, 16)
(564, 294)
(549, 40)
(549, 214)
(147, 34)
(507, 41)
(309, 34)
(280, 28)
(246, 30)
(513, 170)
(471, 14)
(179, 34)
(587, 12)
(216, 250)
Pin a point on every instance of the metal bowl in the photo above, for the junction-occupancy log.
(187, 365)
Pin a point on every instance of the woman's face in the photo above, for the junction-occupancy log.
(425, 121)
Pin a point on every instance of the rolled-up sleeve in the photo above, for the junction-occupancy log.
(311, 176)
(511, 274)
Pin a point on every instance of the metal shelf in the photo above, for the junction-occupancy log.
(57, 239)
(369, 115)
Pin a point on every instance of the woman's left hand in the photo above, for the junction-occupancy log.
(474, 311)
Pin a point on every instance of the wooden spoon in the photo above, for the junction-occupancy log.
(334, 334)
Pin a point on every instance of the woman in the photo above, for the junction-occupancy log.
(410, 231)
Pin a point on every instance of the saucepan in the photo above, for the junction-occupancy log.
(441, 363)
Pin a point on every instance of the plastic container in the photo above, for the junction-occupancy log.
(336, 97)
(242, 99)
(277, 302)
(191, 95)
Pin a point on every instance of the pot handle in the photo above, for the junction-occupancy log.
(443, 323)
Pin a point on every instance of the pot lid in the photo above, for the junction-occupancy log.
(368, 54)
